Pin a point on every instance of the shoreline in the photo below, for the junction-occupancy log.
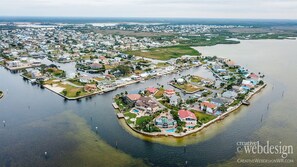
(118, 86)
(219, 118)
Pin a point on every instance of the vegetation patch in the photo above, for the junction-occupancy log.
(76, 82)
(196, 79)
(159, 94)
(56, 72)
(165, 53)
(188, 87)
(130, 115)
(123, 107)
(203, 117)
(71, 91)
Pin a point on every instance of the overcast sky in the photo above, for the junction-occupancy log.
(275, 9)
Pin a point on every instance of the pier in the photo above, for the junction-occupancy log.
(120, 115)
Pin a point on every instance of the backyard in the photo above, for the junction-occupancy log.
(202, 117)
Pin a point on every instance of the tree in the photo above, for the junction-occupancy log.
(78, 93)
(222, 108)
(125, 70)
(229, 87)
(64, 92)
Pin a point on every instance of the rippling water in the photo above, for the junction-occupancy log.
(38, 120)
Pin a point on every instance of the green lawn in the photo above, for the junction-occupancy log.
(121, 104)
(202, 117)
(196, 79)
(165, 53)
(69, 90)
(76, 82)
(72, 91)
(140, 120)
(159, 94)
(160, 65)
(188, 87)
(130, 115)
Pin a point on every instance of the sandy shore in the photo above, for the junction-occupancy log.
(219, 118)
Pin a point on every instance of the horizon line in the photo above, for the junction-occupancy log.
(135, 17)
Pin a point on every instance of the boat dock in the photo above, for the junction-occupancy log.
(120, 115)
(115, 105)
(244, 102)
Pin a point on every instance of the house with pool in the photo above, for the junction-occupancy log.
(147, 104)
(131, 99)
(188, 117)
(165, 120)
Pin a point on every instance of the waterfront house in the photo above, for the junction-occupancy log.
(147, 104)
(188, 117)
(242, 70)
(165, 120)
(90, 87)
(85, 79)
(230, 63)
(248, 83)
(35, 74)
(169, 92)
(208, 107)
(131, 99)
(253, 76)
(15, 63)
(229, 94)
(151, 90)
(218, 101)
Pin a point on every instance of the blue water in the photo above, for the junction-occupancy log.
(135, 110)
(171, 130)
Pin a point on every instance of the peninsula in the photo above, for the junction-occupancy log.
(189, 103)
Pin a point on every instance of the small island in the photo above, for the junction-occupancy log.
(191, 102)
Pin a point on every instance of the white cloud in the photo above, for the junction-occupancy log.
(152, 8)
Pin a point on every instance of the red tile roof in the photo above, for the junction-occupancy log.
(208, 104)
(254, 76)
(152, 89)
(169, 91)
(134, 97)
(186, 114)
(102, 57)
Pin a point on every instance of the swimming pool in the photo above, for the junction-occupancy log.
(170, 130)
(135, 110)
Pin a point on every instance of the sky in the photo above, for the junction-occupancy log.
(253, 9)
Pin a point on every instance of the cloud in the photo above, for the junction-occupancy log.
(285, 9)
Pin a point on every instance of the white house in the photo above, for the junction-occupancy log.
(188, 117)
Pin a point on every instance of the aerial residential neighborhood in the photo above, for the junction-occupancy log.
(189, 103)
(76, 64)
(148, 83)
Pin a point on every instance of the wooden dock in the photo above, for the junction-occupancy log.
(120, 115)
(115, 105)
(244, 102)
